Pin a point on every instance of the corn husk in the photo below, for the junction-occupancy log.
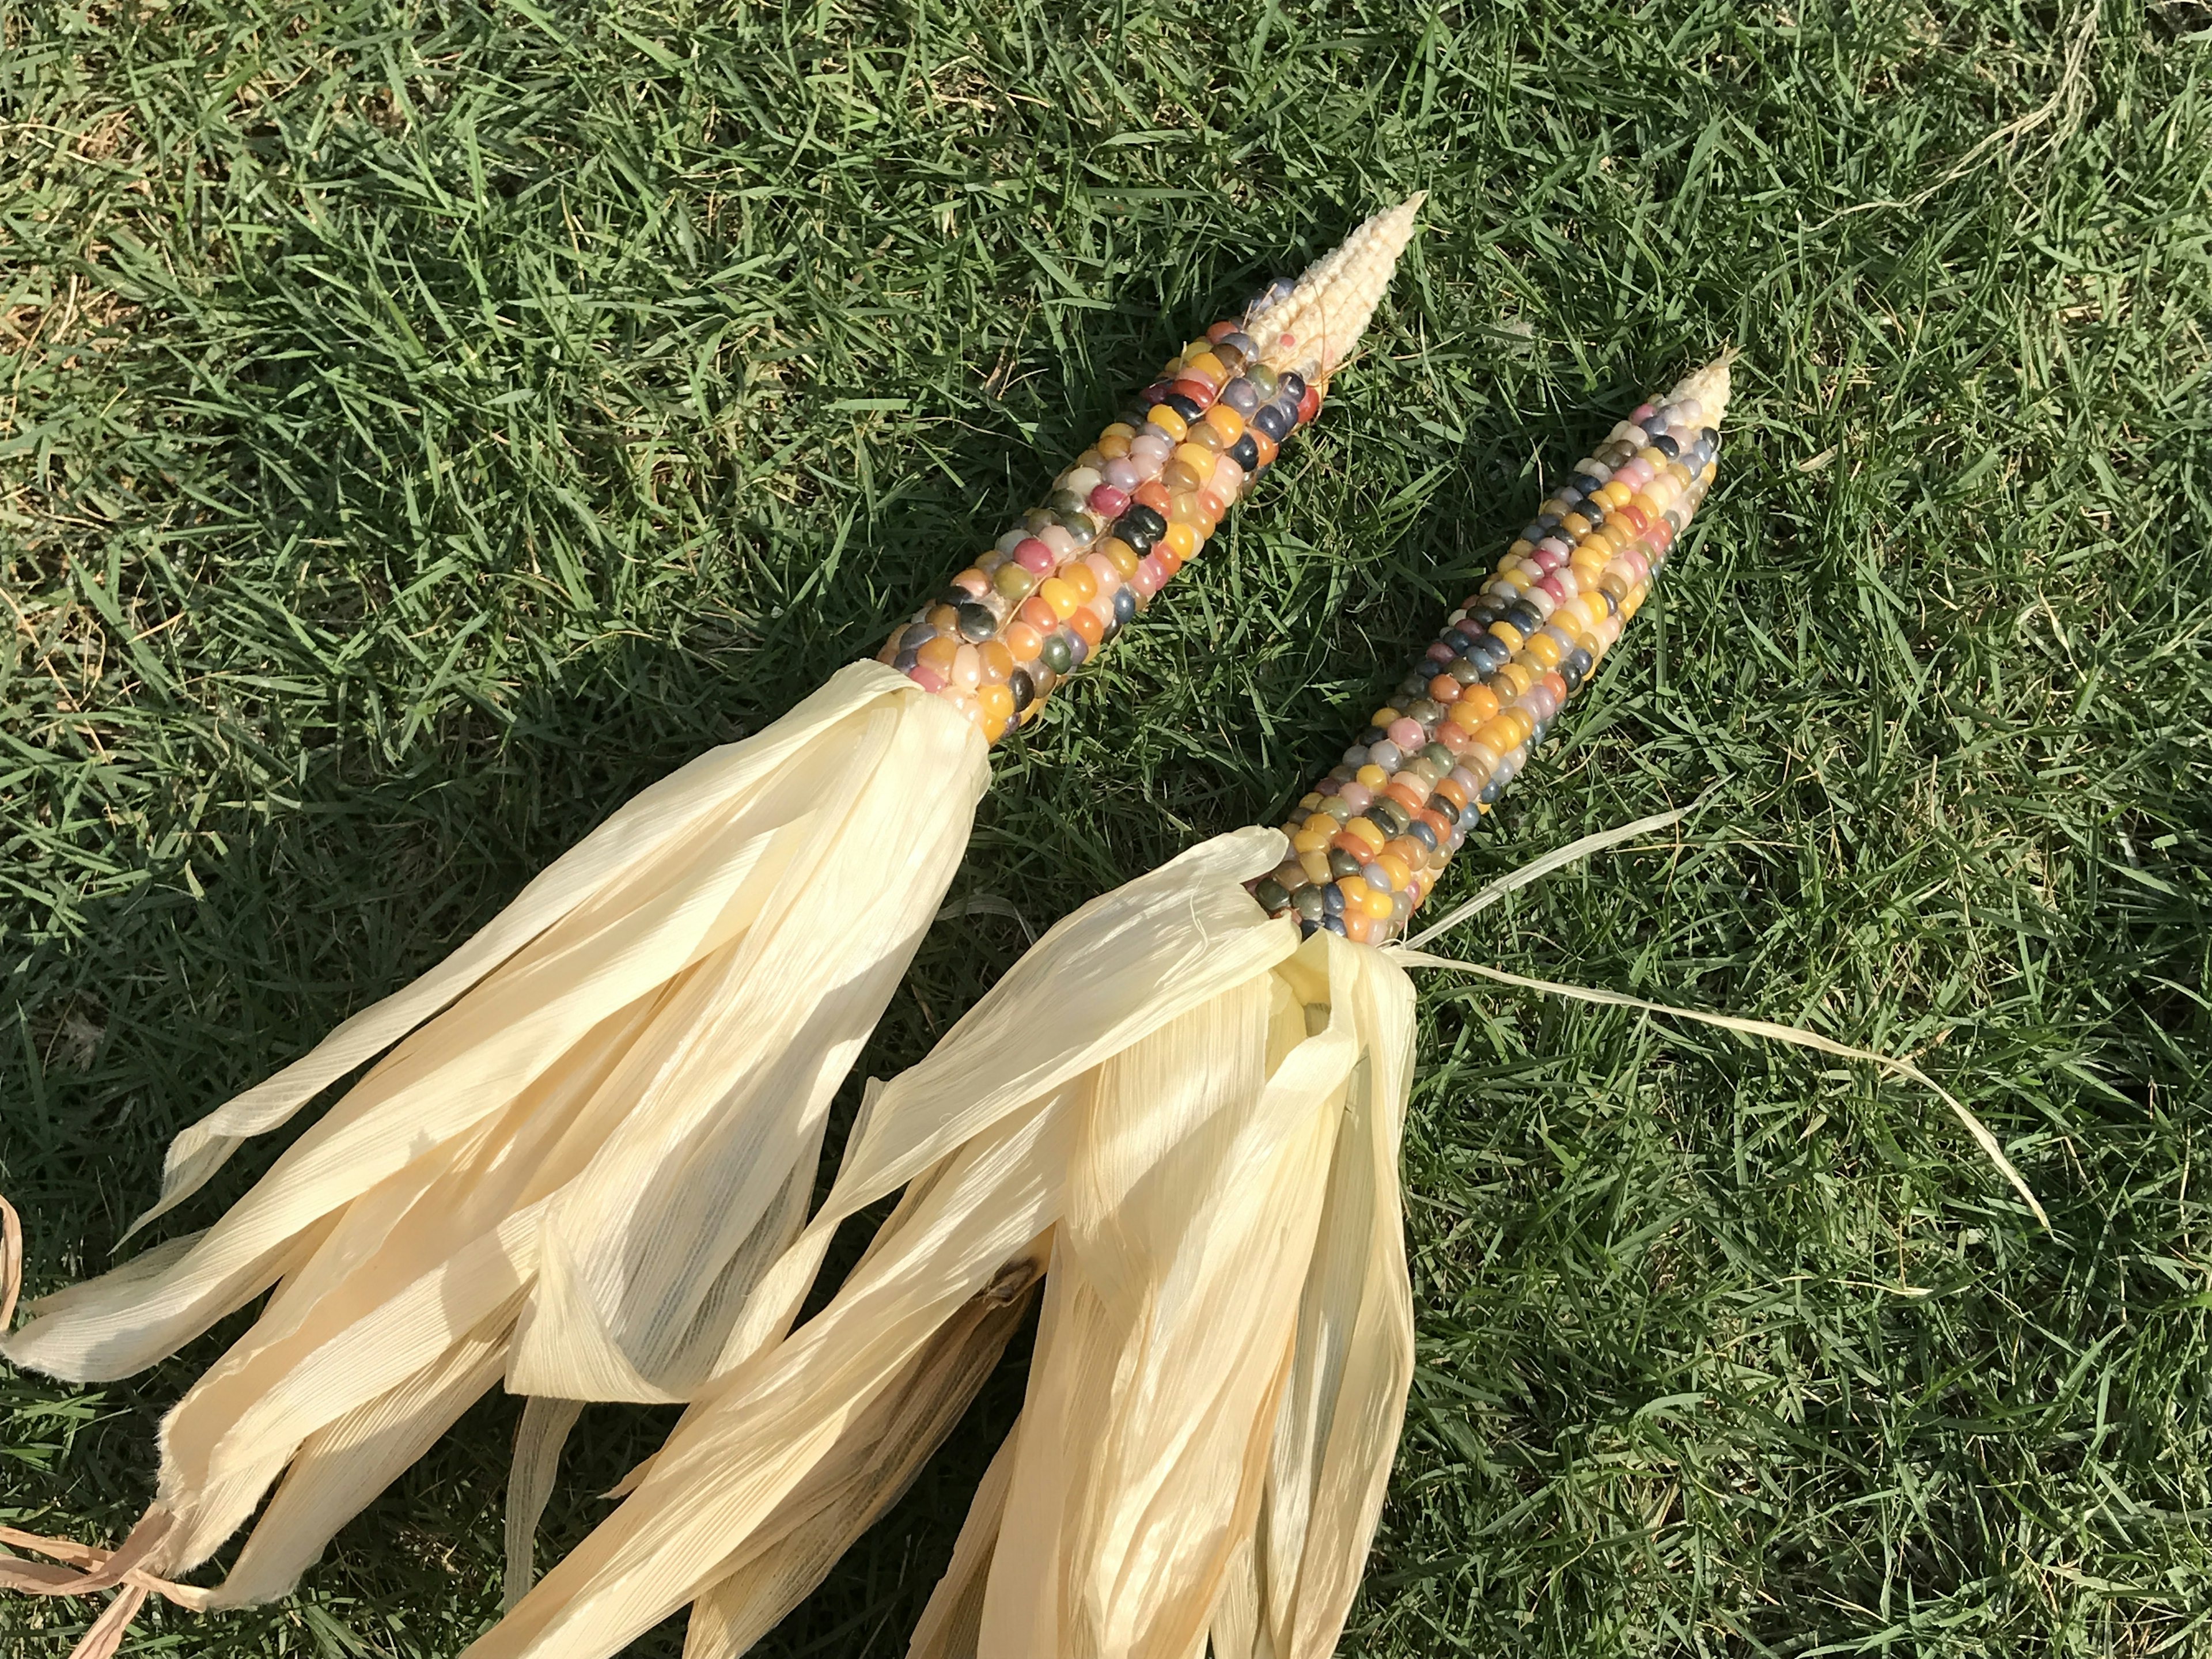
(598, 1129)
(1190, 1122)
(1228, 1333)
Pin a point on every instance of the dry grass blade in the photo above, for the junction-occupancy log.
(1770, 1030)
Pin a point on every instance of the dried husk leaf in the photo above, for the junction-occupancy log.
(600, 1133)
(1201, 1118)
(872, 1464)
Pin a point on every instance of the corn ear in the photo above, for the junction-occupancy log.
(594, 1127)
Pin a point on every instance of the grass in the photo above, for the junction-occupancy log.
(428, 421)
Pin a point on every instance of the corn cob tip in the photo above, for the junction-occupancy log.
(1708, 386)
(1314, 325)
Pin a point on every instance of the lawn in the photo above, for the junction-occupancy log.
(426, 422)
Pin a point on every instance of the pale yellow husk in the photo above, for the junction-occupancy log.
(1189, 1121)
(598, 1128)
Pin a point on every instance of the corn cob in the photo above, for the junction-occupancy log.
(1140, 502)
(1312, 324)
(1186, 1117)
(1371, 839)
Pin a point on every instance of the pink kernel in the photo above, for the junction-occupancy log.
(1150, 577)
(1109, 501)
(1357, 796)
(1407, 734)
(1034, 557)
(927, 678)
(1121, 473)
(1062, 544)
(1101, 566)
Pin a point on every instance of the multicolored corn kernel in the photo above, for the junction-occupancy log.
(1369, 842)
(1133, 509)
(1143, 499)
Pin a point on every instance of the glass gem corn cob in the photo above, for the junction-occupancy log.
(1141, 501)
(1369, 842)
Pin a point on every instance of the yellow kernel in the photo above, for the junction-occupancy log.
(1057, 594)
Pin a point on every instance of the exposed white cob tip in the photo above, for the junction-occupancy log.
(1708, 386)
(1313, 324)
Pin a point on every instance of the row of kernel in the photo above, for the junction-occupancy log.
(1370, 840)
(1132, 511)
